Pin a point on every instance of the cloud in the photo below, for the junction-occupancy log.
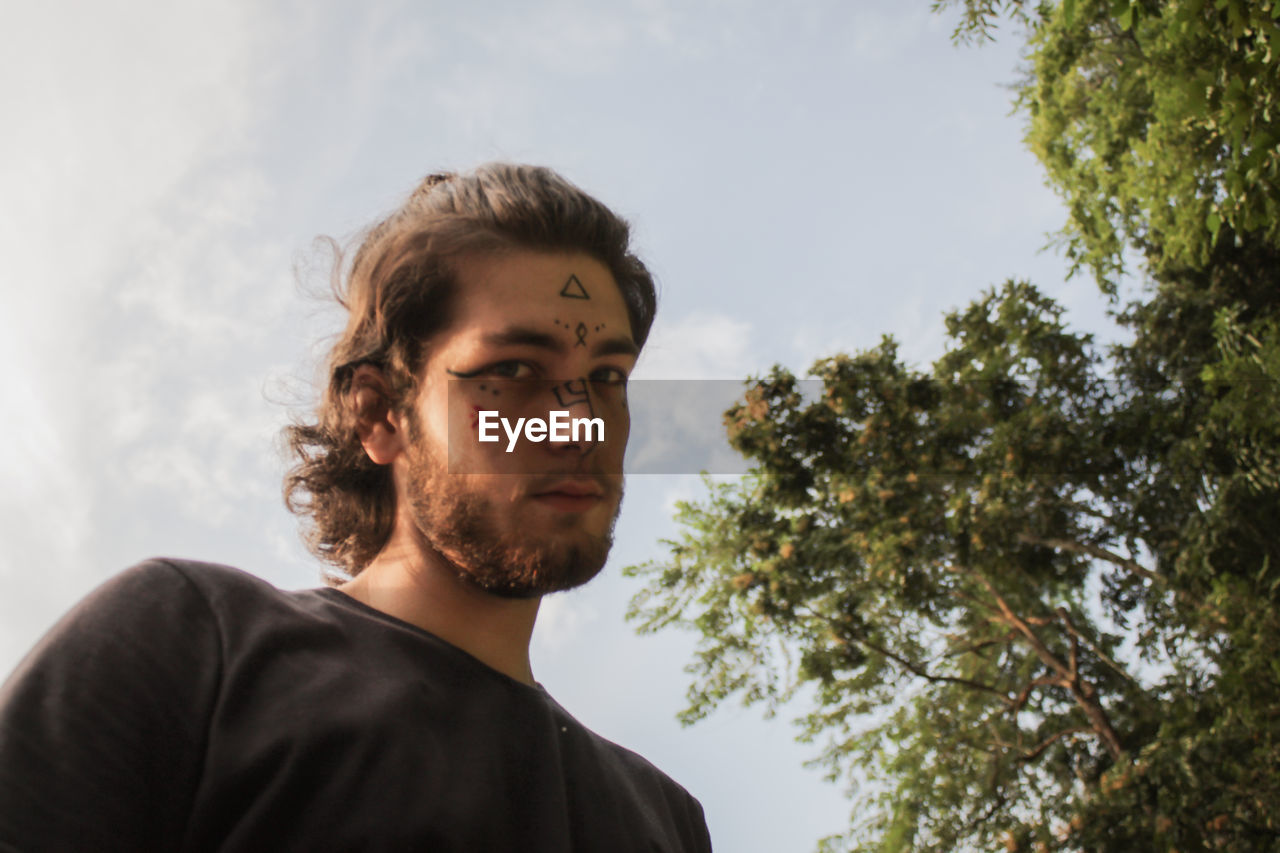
(572, 37)
(562, 619)
(697, 346)
(116, 177)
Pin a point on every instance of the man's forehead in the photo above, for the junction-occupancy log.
(575, 277)
(570, 293)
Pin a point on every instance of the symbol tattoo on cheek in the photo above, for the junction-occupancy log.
(573, 289)
(572, 393)
(581, 332)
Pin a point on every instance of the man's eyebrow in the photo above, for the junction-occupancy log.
(617, 345)
(524, 336)
(520, 336)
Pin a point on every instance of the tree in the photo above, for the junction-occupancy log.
(1037, 606)
(1158, 121)
(946, 556)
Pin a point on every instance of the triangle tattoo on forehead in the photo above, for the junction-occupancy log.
(573, 289)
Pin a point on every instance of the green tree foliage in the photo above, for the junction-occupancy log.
(1032, 590)
(1157, 120)
(959, 562)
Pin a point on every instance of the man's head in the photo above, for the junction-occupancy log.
(488, 265)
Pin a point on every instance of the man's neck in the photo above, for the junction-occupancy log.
(415, 584)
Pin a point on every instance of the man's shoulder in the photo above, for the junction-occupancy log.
(199, 573)
(163, 593)
(179, 576)
(639, 770)
(654, 786)
(630, 760)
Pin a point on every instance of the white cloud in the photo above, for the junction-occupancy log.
(562, 620)
(572, 36)
(689, 488)
(698, 346)
(120, 108)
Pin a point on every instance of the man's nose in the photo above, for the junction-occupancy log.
(575, 397)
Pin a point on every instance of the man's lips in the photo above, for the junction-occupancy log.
(575, 495)
(576, 488)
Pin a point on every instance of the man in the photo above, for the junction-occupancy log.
(185, 706)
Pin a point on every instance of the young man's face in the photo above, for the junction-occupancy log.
(531, 333)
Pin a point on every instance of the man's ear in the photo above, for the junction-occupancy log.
(376, 425)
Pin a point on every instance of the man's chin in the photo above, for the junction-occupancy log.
(526, 546)
(531, 571)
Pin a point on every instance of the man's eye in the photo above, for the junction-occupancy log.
(608, 376)
(508, 370)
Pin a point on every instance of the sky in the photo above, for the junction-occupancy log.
(802, 179)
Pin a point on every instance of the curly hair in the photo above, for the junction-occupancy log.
(397, 294)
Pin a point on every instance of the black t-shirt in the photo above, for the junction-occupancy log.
(186, 706)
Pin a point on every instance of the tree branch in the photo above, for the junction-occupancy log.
(1021, 625)
(1086, 694)
(1033, 754)
(1025, 694)
(844, 629)
(1093, 551)
(915, 669)
(979, 646)
(1093, 647)
(1074, 662)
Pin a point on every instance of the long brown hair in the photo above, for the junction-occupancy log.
(397, 295)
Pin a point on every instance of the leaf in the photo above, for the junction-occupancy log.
(1214, 221)
(1069, 12)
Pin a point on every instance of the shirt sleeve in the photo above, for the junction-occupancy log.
(103, 725)
(701, 834)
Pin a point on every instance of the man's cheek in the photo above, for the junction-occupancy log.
(612, 409)
(474, 425)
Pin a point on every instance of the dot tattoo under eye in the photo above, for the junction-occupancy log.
(472, 374)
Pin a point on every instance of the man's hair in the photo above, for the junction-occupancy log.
(398, 294)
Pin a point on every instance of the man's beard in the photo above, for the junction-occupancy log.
(461, 526)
